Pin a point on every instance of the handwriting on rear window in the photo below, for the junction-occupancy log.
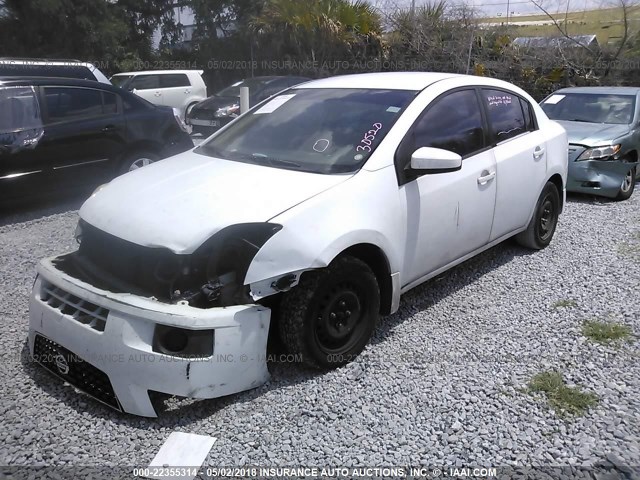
(369, 138)
(495, 100)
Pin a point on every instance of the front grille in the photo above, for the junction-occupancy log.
(72, 369)
(80, 310)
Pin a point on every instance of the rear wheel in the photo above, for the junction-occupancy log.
(628, 185)
(330, 315)
(544, 221)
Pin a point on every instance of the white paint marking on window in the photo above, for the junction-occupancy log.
(393, 109)
(553, 99)
(185, 450)
(274, 104)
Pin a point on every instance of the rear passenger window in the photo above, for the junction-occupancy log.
(452, 123)
(145, 82)
(530, 124)
(174, 80)
(506, 118)
(64, 103)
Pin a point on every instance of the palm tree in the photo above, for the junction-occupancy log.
(319, 30)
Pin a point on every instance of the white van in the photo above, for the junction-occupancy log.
(180, 89)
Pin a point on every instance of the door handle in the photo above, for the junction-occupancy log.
(187, 91)
(109, 128)
(538, 152)
(158, 94)
(486, 177)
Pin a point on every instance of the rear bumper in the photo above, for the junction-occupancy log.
(597, 177)
(123, 351)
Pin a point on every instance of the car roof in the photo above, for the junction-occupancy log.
(56, 81)
(601, 90)
(157, 72)
(386, 80)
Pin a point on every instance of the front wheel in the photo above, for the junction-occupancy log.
(137, 160)
(330, 315)
(628, 185)
(543, 224)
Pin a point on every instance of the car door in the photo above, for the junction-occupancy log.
(521, 162)
(23, 168)
(176, 90)
(148, 87)
(85, 133)
(448, 214)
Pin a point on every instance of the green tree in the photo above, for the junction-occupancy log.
(319, 30)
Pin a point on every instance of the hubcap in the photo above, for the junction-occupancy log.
(547, 218)
(139, 163)
(627, 182)
(338, 320)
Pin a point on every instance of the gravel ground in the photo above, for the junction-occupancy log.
(442, 382)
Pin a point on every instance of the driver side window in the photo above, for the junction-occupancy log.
(453, 122)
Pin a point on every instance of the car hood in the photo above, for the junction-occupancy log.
(592, 134)
(180, 202)
(214, 102)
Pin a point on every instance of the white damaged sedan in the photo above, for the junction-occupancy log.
(305, 218)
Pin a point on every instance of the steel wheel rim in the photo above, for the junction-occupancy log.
(547, 223)
(339, 320)
(627, 182)
(139, 163)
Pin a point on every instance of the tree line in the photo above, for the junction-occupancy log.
(234, 39)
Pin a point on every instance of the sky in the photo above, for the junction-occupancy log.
(516, 7)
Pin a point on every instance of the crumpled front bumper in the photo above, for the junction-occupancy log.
(599, 177)
(118, 365)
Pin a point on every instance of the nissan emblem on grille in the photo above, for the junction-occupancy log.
(61, 364)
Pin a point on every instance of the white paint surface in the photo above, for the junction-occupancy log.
(182, 450)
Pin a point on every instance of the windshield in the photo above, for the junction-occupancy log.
(120, 80)
(590, 107)
(314, 130)
(254, 84)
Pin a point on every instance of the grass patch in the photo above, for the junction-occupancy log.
(563, 398)
(565, 303)
(606, 332)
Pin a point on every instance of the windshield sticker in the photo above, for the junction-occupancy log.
(553, 99)
(321, 145)
(368, 139)
(393, 109)
(495, 100)
(274, 104)
(358, 157)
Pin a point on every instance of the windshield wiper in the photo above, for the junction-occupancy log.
(274, 162)
(582, 120)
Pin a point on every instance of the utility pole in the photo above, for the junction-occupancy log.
(507, 12)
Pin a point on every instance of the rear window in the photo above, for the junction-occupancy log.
(8, 69)
(174, 80)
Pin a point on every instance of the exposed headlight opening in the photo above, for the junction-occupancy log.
(599, 153)
(212, 276)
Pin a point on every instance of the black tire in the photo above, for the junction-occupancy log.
(628, 185)
(543, 224)
(329, 317)
(127, 164)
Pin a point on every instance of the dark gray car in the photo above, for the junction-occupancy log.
(603, 125)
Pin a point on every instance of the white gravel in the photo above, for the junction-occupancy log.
(440, 385)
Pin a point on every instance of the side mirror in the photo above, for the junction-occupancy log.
(435, 160)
